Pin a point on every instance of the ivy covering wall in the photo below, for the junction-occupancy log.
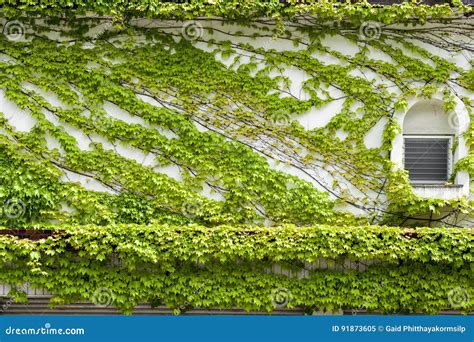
(185, 267)
(201, 87)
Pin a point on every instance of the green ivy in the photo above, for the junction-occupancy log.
(238, 9)
(228, 266)
(243, 107)
(225, 127)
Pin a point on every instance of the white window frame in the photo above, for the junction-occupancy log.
(450, 156)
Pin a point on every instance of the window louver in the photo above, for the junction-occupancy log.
(427, 159)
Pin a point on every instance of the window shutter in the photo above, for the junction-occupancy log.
(427, 159)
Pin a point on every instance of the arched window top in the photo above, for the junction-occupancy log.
(428, 117)
(428, 141)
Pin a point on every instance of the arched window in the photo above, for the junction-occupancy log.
(428, 133)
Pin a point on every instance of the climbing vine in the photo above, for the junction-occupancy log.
(216, 105)
(186, 267)
(151, 137)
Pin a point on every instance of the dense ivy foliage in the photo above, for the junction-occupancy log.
(194, 266)
(358, 10)
(118, 101)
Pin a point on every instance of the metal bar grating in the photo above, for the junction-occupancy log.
(427, 159)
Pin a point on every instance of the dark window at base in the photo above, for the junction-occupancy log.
(427, 159)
